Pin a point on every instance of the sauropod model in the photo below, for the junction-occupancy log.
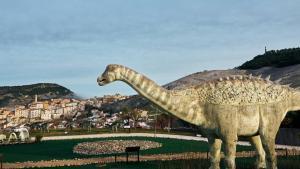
(224, 109)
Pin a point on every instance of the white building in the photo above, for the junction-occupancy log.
(57, 113)
(70, 108)
(46, 115)
(21, 111)
(35, 113)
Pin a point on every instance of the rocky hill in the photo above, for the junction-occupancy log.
(22, 95)
(284, 63)
(288, 74)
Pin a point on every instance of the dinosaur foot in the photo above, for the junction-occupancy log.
(214, 167)
(261, 165)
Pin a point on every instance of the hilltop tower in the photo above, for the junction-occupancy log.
(265, 49)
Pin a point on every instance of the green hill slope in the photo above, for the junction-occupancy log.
(274, 58)
(20, 95)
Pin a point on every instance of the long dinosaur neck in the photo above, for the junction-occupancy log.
(180, 107)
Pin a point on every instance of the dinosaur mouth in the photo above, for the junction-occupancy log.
(101, 81)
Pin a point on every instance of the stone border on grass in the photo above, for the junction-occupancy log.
(112, 146)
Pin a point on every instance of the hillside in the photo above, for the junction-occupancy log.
(21, 95)
(274, 58)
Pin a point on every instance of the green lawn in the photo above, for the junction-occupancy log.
(62, 149)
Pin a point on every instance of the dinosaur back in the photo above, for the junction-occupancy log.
(238, 90)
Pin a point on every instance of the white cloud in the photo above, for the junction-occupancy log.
(70, 42)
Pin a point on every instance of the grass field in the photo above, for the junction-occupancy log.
(62, 149)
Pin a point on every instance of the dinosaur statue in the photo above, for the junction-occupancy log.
(224, 109)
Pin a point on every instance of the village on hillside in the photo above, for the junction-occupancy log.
(71, 113)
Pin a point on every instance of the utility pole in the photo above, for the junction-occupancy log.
(155, 116)
(169, 124)
(155, 125)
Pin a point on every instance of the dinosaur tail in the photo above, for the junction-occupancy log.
(295, 101)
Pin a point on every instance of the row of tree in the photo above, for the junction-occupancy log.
(274, 58)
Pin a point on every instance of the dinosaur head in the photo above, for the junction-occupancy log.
(109, 75)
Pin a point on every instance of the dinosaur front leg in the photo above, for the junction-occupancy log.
(230, 150)
(214, 152)
(260, 159)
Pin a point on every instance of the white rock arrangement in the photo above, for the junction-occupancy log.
(112, 146)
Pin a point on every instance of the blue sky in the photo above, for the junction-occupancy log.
(70, 42)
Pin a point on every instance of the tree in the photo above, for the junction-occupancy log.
(163, 120)
(125, 115)
(133, 114)
(274, 58)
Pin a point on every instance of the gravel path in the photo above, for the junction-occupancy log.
(196, 138)
(102, 160)
(111, 159)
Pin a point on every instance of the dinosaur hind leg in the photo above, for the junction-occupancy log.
(269, 146)
(271, 117)
(260, 159)
(214, 152)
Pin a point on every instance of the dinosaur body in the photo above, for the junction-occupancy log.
(225, 109)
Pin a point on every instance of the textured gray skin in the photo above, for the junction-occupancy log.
(224, 109)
